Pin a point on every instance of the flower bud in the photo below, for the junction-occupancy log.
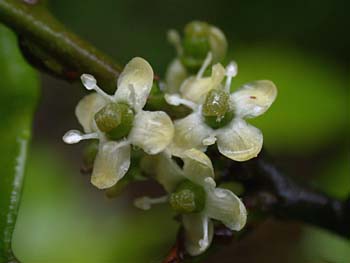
(199, 39)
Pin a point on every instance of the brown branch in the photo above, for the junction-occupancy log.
(270, 190)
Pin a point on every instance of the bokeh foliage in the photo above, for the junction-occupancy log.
(18, 95)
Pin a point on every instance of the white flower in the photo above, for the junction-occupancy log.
(218, 203)
(236, 139)
(177, 71)
(151, 131)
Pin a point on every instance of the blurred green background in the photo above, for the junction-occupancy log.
(303, 46)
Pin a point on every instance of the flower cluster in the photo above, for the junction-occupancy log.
(197, 80)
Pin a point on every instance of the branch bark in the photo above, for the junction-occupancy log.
(49, 45)
(270, 190)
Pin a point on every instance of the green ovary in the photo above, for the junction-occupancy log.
(115, 120)
(216, 109)
(188, 198)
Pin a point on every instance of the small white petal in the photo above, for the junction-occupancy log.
(152, 131)
(198, 233)
(253, 99)
(174, 76)
(218, 44)
(209, 141)
(225, 206)
(86, 110)
(111, 164)
(135, 83)
(197, 166)
(195, 89)
(239, 141)
(189, 133)
(167, 172)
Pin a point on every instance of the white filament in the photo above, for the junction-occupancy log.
(145, 202)
(176, 100)
(206, 63)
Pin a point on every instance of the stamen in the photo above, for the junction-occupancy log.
(75, 136)
(206, 63)
(231, 72)
(205, 240)
(146, 202)
(176, 100)
(90, 83)
(175, 39)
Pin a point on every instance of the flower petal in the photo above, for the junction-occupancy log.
(195, 89)
(135, 83)
(174, 76)
(111, 164)
(239, 141)
(168, 173)
(189, 133)
(218, 44)
(225, 206)
(152, 131)
(198, 233)
(197, 166)
(86, 109)
(253, 99)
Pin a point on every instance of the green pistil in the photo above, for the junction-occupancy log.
(115, 119)
(216, 109)
(188, 198)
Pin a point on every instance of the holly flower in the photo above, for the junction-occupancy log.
(219, 116)
(194, 195)
(118, 122)
(199, 38)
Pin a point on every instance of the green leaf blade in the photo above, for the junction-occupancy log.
(18, 96)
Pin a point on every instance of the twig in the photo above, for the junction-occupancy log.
(269, 190)
(49, 45)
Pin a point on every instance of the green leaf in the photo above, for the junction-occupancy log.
(311, 107)
(18, 96)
